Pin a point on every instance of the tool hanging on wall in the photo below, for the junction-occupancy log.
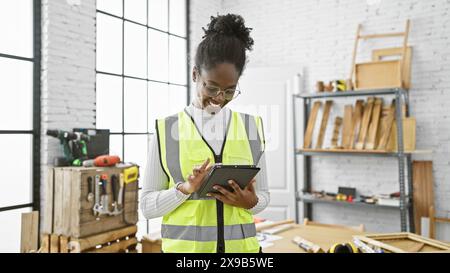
(365, 124)
(90, 184)
(97, 206)
(323, 125)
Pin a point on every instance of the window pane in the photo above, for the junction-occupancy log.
(177, 98)
(16, 97)
(177, 60)
(109, 102)
(158, 14)
(177, 17)
(115, 145)
(158, 55)
(15, 179)
(158, 103)
(135, 50)
(110, 6)
(136, 152)
(135, 106)
(136, 10)
(109, 44)
(16, 27)
(10, 232)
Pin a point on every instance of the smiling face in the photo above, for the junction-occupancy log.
(223, 76)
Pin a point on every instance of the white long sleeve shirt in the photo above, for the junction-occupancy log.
(157, 199)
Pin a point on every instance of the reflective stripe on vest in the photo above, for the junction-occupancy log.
(207, 234)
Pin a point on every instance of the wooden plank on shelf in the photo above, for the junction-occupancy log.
(63, 244)
(370, 144)
(387, 132)
(347, 128)
(311, 124)
(356, 123)
(365, 124)
(336, 131)
(29, 232)
(409, 135)
(423, 191)
(323, 125)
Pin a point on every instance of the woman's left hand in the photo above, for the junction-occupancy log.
(242, 198)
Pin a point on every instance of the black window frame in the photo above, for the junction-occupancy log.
(122, 75)
(36, 131)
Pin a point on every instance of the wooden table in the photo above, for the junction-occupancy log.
(325, 237)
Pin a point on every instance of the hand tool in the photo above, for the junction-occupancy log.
(74, 147)
(131, 174)
(97, 207)
(90, 196)
(120, 202)
(105, 196)
(115, 185)
(343, 248)
(307, 245)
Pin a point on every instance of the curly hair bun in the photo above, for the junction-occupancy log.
(230, 25)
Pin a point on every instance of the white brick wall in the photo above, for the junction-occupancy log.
(68, 71)
(319, 34)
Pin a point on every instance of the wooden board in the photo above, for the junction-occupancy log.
(323, 125)
(73, 215)
(48, 203)
(423, 191)
(365, 124)
(356, 123)
(378, 75)
(336, 130)
(370, 143)
(409, 135)
(347, 128)
(403, 243)
(311, 124)
(387, 129)
(379, 54)
(29, 233)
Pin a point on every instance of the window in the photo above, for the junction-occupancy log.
(142, 71)
(20, 116)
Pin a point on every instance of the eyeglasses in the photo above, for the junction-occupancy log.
(214, 91)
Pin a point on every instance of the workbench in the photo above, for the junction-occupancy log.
(325, 237)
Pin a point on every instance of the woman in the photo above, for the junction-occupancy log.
(206, 132)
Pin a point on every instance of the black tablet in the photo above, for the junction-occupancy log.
(220, 174)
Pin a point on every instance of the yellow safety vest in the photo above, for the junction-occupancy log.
(206, 225)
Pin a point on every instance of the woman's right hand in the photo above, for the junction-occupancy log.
(195, 180)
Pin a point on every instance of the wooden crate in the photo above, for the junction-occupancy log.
(67, 211)
(116, 241)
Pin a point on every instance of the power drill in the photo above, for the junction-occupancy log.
(74, 147)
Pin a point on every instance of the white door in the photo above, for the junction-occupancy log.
(267, 92)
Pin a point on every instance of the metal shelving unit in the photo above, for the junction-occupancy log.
(403, 158)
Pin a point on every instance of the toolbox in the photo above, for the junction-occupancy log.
(80, 202)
